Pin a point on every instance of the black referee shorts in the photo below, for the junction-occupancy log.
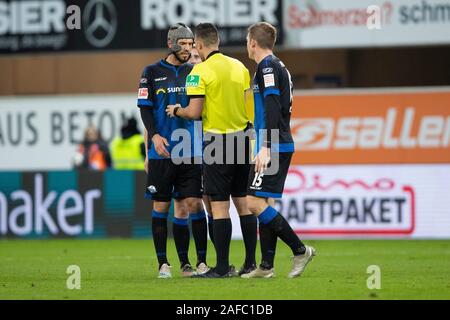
(226, 165)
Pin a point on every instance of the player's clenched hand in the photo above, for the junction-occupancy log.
(160, 144)
(170, 110)
(262, 160)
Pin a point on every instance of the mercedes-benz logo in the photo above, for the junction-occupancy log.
(100, 22)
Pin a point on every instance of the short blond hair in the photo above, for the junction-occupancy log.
(264, 34)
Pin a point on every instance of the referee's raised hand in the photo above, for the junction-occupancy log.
(160, 144)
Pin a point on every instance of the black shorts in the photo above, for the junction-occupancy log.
(224, 180)
(227, 177)
(270, 186)
(166, 180)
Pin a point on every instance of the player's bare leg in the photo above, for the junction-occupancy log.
(207, 203)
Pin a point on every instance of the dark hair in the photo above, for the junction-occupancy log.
(208, 33)
(264, 34)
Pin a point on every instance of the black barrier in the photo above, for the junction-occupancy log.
(85, 25)
(82, 204)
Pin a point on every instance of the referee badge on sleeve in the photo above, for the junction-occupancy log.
(192, 81)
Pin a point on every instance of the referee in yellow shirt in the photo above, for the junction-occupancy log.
(216, 88)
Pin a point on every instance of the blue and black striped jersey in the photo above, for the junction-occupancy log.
(272, 87)
(163, 84)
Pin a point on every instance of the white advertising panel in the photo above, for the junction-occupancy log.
(399, 201)
(41, 133)
(365, 23)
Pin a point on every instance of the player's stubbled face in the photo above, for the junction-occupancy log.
(195, 57)
(186, 47)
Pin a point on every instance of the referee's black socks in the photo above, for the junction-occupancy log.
(159, 232)
(280, 227)
(249, 228)
(222, 238)
(200, 233)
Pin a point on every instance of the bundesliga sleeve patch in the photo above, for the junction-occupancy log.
(192, 81)
(143, 93)
(269, 80)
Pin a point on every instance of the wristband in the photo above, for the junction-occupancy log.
(175, 111)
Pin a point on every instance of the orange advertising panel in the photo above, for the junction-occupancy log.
(386, 127)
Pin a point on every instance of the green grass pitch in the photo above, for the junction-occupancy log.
(127, 269)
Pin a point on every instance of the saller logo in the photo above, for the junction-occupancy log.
(193, 81)
(356, 132)
(312, 133)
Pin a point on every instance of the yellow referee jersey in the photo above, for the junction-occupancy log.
(222, 81)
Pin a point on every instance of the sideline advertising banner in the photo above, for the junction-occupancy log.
(93, 25)
(42, 133)
(368, 200)
(389, 201)
(74, 204)
(365, 23)
(368, 163)
(363, 126)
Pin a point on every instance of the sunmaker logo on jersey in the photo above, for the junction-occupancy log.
(171, 90)
(348, 201)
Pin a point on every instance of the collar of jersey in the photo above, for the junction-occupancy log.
(170, 66)
(212, 53)
(266, 59)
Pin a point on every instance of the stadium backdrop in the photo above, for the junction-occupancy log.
(378, 171)
(40, 26)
